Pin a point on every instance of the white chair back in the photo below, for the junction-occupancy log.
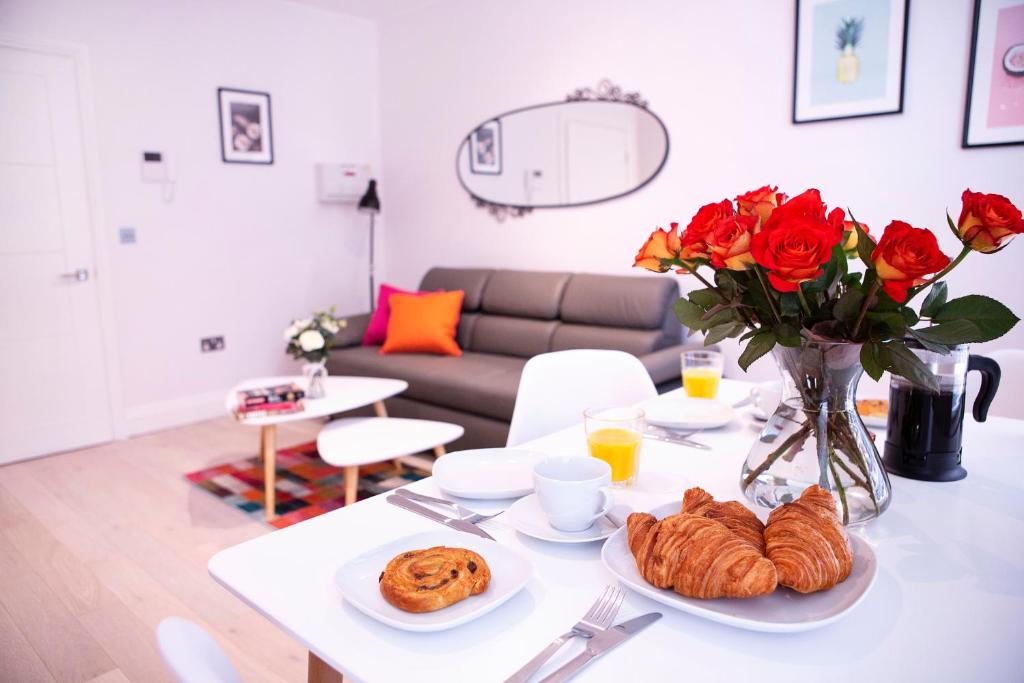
(1011, 366)
(556, 388)
(191, 654)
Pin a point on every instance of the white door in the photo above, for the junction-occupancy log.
(53, 389)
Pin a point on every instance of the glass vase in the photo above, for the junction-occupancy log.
(817, 437)
(315, 374)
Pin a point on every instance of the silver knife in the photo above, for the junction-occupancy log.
(601, 643)
(679, 441)
(457, 524)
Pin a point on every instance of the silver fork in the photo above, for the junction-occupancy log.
(598, 618)
(465, 514)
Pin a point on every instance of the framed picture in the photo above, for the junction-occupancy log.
(485, 148)
(994, 114)
(850, 58)
(245, 131)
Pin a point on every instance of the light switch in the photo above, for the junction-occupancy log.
(126, 235)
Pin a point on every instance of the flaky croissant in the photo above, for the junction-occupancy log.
(807, 544)
(737, 518)
(697, 557)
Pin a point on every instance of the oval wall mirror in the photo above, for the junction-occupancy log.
(595, 146)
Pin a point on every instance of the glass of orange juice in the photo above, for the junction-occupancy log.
(614, 435)
(702, 371)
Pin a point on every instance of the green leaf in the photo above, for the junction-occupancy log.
(689, 314)
(787, 334)
(991, 318)
(865, 246)
(848, 306)
(748, 335)
(720, 317)
(852, 279)
(705, 298)
(891, 319)
(950, 334)
(717, 334)
(935, 300)
(760, 344)
(928, 344)
(874, 360)
(953, 228)
(909, 316)
(789, 304)
(726, 283)
(904, 362)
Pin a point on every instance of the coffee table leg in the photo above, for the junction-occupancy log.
(439, 451)
(319, 671)
(268, 448)
(351, 477)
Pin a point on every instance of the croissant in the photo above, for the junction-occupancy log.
(807, 544)
(697, 557)
(735, 516)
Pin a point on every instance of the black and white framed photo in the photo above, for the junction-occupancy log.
(850, 58)
(485, 148)
(245, 131)
(994, 113)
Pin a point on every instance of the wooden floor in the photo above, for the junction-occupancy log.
(98, 545)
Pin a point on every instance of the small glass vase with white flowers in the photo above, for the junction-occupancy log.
(310, 339)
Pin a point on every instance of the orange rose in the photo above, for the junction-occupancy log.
(850, 235)
(794, 250)
(760, 202)
(703, 223)
(903, 256)
(663, 245)
(730, 242)
(988, 221)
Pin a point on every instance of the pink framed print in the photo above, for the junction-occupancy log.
(994, 114)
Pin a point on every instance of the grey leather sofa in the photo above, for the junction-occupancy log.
(508, 317)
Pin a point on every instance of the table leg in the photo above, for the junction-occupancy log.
(268, 449)
(439, 451)
(319, 671)
(351, 477)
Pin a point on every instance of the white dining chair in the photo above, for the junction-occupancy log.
(1007, 402)
(555, 389)
(191, 654)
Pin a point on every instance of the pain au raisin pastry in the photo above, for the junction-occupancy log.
(807, 544)
(432, 579)
(735, 516)
(698, 557)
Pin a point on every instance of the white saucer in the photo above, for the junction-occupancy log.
(687, 413)
(526, 516)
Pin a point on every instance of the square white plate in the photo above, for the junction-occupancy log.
(784, 611)
(357, 580)
(486, 473)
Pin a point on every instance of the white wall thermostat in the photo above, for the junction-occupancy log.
(341, 183)
(155, 169)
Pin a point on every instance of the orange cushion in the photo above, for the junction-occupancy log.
(424, 323)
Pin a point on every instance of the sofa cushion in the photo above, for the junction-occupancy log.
(479, 383)
(470, 280)
(526, 294)
(636, 342)
(510, 336)
(618, 301)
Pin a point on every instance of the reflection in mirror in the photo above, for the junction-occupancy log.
(562, 154)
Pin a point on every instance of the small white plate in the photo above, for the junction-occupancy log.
(358, 581)
(874, 421)
(486, 473)
(784, 611)
(688, 413)
(526, 516)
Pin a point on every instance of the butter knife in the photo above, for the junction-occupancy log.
(601, 643)
(678, 440)
(457, 524)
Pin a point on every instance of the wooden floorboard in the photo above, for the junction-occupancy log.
(97, 546)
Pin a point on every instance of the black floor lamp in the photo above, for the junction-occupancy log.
(370, 203)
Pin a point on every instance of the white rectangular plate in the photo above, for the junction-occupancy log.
(783, 611)
(357, 580)
(486, 473)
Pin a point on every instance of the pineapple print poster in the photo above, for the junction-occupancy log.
(849, 58)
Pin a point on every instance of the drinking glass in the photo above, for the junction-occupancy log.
(614, 435)
(702, 371)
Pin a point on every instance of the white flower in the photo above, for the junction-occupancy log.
(290, 333)
(303, 324)
(311, 340)
(330, 325)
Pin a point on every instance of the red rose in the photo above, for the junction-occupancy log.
(807, 204)
(730, 242)
(903, 256)
(694, 238)
(760, 202)
(988, 221)
(663, 245)
(836, 218)
(793, 250)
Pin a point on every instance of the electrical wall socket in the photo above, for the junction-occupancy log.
(207, 344)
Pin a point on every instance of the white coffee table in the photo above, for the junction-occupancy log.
(342, 394)
(354, 441)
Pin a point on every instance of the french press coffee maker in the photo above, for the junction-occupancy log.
(923, 440)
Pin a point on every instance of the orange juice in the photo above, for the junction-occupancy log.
(701, 382)
(618, 447)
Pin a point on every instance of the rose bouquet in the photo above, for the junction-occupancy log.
(310, 339)
(781, 280)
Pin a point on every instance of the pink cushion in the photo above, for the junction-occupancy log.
(377, 330)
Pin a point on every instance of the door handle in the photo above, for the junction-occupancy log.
(80, 274)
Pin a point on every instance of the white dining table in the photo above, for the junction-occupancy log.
(947, 604)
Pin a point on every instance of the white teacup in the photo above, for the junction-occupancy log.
(571, 490)
(766, 397)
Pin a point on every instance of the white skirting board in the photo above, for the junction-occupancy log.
(153, 417)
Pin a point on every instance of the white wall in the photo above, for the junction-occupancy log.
(242, 249)
(720, 75)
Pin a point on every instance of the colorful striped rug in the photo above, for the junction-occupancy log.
(306, 485)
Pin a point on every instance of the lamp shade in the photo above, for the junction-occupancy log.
(370, 203)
